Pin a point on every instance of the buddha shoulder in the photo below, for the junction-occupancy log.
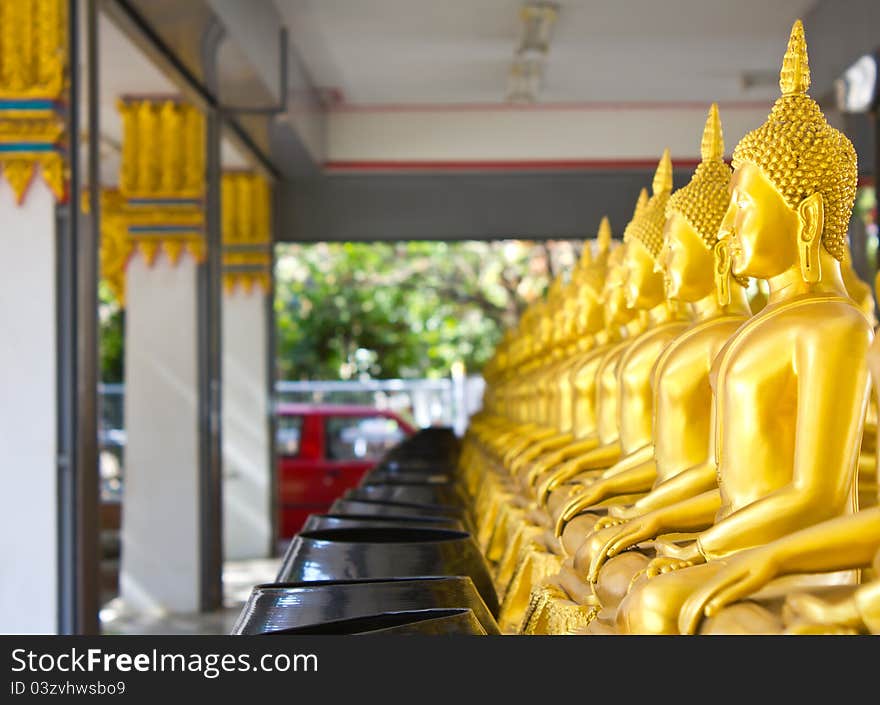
(650, 343)
(699, 343)
(816, 316)
(819, 324)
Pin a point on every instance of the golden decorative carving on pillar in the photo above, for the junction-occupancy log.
(246, 231)
(741, 514)
(33, 82)
(159, 205)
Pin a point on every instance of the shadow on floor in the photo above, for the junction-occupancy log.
(239, 577)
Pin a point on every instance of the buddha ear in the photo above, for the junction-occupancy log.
(722, 272)
(811, 223)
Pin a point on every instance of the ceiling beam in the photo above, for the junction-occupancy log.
(174, 36)
(839, 33)
(459, 206)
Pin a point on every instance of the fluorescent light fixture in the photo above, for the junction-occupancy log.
(538, 19)
(527, 69)
(857, 89)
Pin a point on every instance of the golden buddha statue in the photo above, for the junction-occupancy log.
(682, 394)
(790, 388)
(627, 394)
(580, 377)
(626, 371)
(595, 380)
(681, 391)
(570, 342)
(524, 359)
(517, 569)
(535, 393)
(549, 391)
(844, 543)
(506, 507)
(858, 289)
(680, 386)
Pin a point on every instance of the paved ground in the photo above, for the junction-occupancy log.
(238, 579)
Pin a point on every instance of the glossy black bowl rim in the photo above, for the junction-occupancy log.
(407, 483)
(378, 517)
(297, 585)
(403, 618)
(379, 535)
(438, 507)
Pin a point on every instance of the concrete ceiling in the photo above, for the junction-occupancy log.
(125, 70)
(459, 51)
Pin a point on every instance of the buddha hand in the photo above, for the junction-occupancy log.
(806, 612)
(623, 511)
(544, 465)
(608, 521)
(628, 535)
(672, 548)
(560, 474)
(666, 564)
(819, 629)
(582, 501)
(743, 574)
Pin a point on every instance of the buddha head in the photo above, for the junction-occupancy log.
(568, 311)
(693, 217)
(793, 185)
(616, 313)
(858, 289)
(524, 344)
(543, 327)
(553, 323)
(643, 239)
(591, 282)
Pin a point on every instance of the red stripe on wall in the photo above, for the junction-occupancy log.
(540, 107)
(506, 165)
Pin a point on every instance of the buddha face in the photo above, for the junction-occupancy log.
(559, 329)
(570, 316)
(616, 312)
(590, 316)
(685, 261)
(545, 328)
(760, 226)
(644, 285)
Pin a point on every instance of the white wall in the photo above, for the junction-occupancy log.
(564, 134)
(246, 470)
(160, 516)
(28, 503)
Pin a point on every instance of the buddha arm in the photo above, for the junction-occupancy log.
(694, 514)
(633, 460)
(688, 483)
(598, 458)
(842, 543)
(638, 478)
(833, 375)
(635, 479)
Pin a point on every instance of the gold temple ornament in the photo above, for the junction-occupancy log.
(33, 86)
(665, 535)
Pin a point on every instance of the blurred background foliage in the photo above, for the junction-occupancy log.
(387, 310)
(407, 309)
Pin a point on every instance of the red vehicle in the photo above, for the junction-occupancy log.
(325, 449)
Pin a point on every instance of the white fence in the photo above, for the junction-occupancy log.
(448, 401)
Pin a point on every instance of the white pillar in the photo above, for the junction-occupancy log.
(160, 511)
(247, 494)
(28, 428)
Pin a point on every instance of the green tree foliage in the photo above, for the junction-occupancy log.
(408, 309)
(112, 320)
(384, 310)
